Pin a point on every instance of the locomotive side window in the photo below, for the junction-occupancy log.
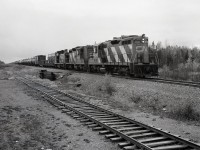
(115, 42)
(126, 42)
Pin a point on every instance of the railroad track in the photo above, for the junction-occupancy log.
(161, 80)
(153, 79)
(129, 134)
(178, 82)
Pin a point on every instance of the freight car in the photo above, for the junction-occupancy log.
(40, 60)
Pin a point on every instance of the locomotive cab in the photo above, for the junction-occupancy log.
(59, 59)
(141, 50)
(144, 61)
(141, 61)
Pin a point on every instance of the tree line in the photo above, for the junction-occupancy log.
(178, 62)
(1, 62)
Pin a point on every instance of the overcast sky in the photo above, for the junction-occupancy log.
(32, 27)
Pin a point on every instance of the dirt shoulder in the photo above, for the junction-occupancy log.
(28, 122)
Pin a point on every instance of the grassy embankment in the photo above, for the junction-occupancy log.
(181, 109)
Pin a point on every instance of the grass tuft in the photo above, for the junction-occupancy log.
(106, 85)
(135, 98)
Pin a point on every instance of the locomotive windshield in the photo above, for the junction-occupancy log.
(140, 48)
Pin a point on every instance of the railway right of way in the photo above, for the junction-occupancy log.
(130, 134)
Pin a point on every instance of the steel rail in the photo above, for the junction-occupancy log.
(161, 80)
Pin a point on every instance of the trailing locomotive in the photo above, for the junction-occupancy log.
(127, 55)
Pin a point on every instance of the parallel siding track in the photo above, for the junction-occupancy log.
(162, 80)
(178, 82)
(151, 79)
(130, 134)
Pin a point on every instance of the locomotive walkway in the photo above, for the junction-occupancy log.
(130, 134)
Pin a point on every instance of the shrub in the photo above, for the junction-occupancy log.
(2, 64)
(105, 85)
(187, 71)
(164, 72)
(153, 104)
(102, 88)
(185, 111)
(196, 77)
(135, 98)
(109, 86)
(183, 72)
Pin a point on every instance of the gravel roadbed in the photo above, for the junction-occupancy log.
(29, 122)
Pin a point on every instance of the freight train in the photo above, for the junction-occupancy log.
(125, 55)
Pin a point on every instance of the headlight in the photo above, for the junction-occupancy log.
(142, 40)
